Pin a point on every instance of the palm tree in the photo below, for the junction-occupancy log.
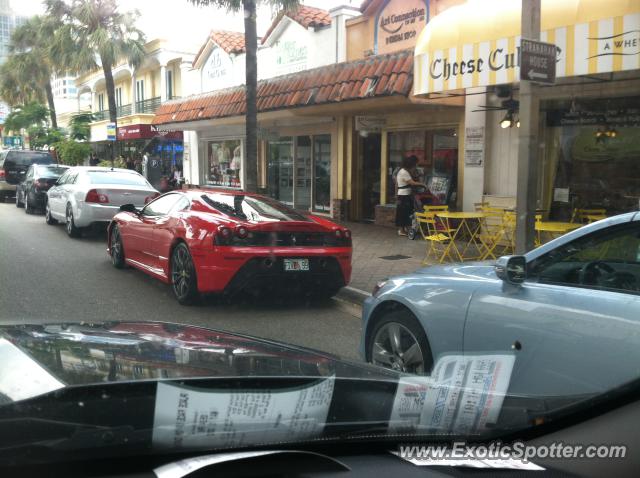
(95, 30)
(32, 60)
(251, 79)
(17, 87)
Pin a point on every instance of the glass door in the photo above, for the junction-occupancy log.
(280, 170)
(322, 173)
(302, 197)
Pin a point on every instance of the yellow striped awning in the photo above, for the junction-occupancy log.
(477, 43)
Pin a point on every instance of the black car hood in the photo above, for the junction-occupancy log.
(37, 359)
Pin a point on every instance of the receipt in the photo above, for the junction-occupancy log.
(461, 396)
(185, 417)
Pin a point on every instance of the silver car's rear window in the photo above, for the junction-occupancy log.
(116, 177)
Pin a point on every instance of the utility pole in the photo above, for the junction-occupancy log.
(528, 146)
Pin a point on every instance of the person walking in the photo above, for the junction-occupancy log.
(404, 183)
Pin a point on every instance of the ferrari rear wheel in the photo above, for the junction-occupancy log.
(183, 275)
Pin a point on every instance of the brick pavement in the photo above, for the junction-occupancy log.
(371, 243)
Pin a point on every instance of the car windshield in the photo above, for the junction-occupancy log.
(251, 208)
(116, 177)
(319, 225)
(51, 171)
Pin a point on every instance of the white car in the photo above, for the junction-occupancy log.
(87, 195)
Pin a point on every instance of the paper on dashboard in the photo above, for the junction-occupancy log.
(461, 396)
(190, 418)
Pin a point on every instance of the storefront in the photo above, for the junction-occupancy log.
(589, 155)
(222, 160)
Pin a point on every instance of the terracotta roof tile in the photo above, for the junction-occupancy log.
(230, 42)
(308, 17)
(381, 75)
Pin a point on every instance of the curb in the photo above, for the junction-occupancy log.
(352, 295)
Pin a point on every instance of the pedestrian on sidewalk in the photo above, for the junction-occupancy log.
(404, 183)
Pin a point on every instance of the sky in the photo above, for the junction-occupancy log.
(179, 20)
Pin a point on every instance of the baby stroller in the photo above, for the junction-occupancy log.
(421, 197)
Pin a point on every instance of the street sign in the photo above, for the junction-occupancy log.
(537, 61)
(111, 131)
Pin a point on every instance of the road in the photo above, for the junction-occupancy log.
(45, 276)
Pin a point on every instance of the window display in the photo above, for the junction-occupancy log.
(224, 163)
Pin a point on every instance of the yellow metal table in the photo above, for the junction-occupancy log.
(469, 222)
(553, 229)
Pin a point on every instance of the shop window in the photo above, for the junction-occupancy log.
(224, 163)
(280, 170)
(437, 153)
(322, 173)
(592, 156)
(299, 172)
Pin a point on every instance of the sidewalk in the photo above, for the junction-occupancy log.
(378, 252)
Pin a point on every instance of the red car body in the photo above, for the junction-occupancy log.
(231, 250)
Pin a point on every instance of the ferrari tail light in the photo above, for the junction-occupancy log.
(242, 232)
(94, 196)
(223, 236)
(347, 234)
(151, 198)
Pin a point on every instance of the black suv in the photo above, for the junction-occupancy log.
(13, 167)
(31, 193)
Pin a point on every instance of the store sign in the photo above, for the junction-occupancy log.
(145, 131)
(398, 24)
(111, 131)
(370, 124)
(619, 117)
(580, 49)
(538, 61)
(216, 72)
(291, 56)
(12, 141)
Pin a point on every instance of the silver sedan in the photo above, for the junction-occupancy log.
(569, 311)
(84, 196)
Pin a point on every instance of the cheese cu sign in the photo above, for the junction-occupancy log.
(398, 24)
(480, 59)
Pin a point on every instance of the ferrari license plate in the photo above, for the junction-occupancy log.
(296, 264)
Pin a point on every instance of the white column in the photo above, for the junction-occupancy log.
(133, 93)
(163, 83)
(474, 123)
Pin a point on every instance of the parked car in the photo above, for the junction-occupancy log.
(13, 167)
(569, 311)
(86, 195)
(214, 241)
(31, 193)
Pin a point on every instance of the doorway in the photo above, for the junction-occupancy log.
(370, 147)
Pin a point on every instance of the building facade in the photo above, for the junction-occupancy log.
(163, 75)
(335, 117)
(589, 120)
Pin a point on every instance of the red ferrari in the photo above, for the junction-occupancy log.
(219, 241)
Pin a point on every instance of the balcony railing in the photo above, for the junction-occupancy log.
(122, 110)
(148, 106)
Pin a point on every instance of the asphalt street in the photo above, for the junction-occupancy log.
(45, 276)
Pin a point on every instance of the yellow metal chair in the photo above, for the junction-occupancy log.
(435, 237)
(492, 232)
(501, 235)
(435, 208)
(587, 216)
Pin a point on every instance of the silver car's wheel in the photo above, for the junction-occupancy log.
(72, 230)
(47, 215)
(398, 342)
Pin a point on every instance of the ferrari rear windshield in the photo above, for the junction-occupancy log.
(116, 177)
(251, 208)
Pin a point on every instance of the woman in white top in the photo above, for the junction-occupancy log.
(404, 206)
